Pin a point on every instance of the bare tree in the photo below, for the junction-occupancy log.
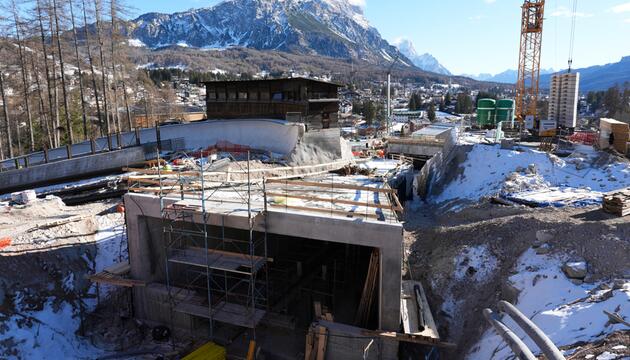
(97, 8)
(113, 63)
(5, 110)
(43, 122)
(76, 51)
(63, 77)
(91, 60)
(25, 82)
(50, 77)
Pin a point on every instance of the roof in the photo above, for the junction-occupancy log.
(431, 131)
(275, 80)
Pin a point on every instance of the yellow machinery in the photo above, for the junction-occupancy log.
(208, 351)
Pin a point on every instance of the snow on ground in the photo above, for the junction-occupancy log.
(566, 312)
(68, 185)
(487, 169)
(51, 332)
(111, 241)
(474, 263)
(136, 43)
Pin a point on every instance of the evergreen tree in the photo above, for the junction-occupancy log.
(431, 113)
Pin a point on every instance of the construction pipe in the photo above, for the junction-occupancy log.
(538, 336)
(514, 342)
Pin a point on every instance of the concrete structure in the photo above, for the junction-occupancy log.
(147, 259)
(563, 99)
(263, 134)
(313, 102)
(298, 233)
(424, 143)
(80, 167)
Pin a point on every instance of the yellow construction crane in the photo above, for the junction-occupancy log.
(527, 86)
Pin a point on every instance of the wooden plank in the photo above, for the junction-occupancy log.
(310, 345)
(410, 308)
(416, 339)
(120, 268)
(109, 279)
(321, 343)
(335, 201)
(228, 313)
(331, 185)
(325, 211)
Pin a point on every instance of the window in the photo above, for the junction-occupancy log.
(242, 95)
(277, 96)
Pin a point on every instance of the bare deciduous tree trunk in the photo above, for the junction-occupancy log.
(43, 120)
(76, 51)
(91, 60)
(51, 125)
(63, 77)
(5, 108)
(113, 61)
(97, 7)
(25, 84)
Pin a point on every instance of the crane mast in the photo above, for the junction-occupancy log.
(527, 86)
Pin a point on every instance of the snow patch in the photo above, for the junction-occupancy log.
(488, 169)
(136, 43)
(560, 308)
(474, 263)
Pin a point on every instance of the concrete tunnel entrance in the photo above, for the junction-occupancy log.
(312, 260)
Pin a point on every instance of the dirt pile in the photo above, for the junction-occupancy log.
(466, 258)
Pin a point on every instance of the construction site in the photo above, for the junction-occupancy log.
(260, 232)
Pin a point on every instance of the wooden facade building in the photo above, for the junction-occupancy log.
(312, 102)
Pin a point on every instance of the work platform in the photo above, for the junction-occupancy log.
(217, 260)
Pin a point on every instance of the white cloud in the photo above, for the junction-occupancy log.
(490, 1)
(360, 3)
(621, 8)
(627, 21)
(564, 11)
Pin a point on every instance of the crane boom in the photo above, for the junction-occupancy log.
(527, 86)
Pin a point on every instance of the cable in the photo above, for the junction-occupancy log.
(572, 39)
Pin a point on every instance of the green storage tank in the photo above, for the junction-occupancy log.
(505, 111)
(485, 112)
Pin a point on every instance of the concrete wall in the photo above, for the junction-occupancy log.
(346, 342)
(387, 237)
(270, 135)
(68, 169)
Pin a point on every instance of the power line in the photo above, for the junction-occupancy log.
(572, 39)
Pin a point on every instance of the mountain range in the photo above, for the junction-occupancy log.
(331, 28)
(426, 61)
(599, 77)
(506, 77)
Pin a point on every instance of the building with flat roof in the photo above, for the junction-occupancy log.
(563, 99)
(313, 102)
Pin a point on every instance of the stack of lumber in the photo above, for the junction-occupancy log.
(617, 202)
(316, 343)
(369, 290)
(620, 132)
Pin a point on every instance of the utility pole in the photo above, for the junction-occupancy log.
(389, 94)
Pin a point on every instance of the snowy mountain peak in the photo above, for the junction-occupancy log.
(425, 61)
(334, 28)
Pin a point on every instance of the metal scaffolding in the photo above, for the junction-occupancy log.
(213, 272)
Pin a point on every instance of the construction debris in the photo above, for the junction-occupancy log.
(617, 202)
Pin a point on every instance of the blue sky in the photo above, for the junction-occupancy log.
(482, 36)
